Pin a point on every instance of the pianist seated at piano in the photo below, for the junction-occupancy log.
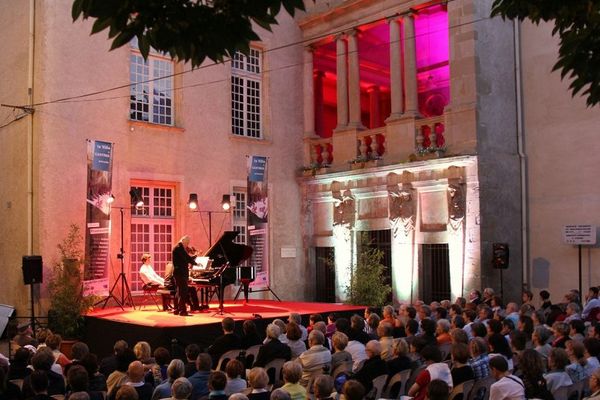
(147, 273)
(169, 280)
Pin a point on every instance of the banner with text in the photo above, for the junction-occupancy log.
(258, 219)
(97, 233)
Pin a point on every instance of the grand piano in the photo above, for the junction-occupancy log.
(226, 258)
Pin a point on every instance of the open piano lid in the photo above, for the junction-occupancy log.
(224, 250)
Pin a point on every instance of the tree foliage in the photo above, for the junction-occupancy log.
(187, 30)
(577, 24)
(367, 282)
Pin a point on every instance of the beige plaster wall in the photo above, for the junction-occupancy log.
(202, 156)
(562, 143)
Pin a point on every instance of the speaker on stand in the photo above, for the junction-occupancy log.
(32, 274)
(500, 256)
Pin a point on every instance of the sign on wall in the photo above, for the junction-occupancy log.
(579, 234)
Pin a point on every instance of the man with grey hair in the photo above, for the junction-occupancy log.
(373, 366)
(273, 348)
(315, 360)
(488, 295)
(181, 260)
(176, 369)
(181, 389)
(297, 318)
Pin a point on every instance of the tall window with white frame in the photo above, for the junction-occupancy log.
(246, 86)
(151, 93)
(152, 230)
(239, 222)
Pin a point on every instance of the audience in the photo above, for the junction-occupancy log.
(507, 386)
(228, 341)
(258, 381)
(199, 380)
(235, 383)
(292, 372)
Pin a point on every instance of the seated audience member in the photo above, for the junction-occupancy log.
(24, 336)
(109, 364)
(353, 390)
(400, 360)
(292, 372)
(217, 381)
(593, 304)
(373, 367)
(479, 330)
(507, 386)
(118, 377)
(331, 324)
(357, 329)
(469, 318)
(53, 342)
(459, 336)
(557, 376)
(273, 348)
(539, 318)
(297, 318)
(354, 347)
(494, 326)
(278, 394)
(250, 336)
(457, 322)
(316, 360)
(592, 350)
(556, 314)
(199, 380)
(258, 381)
(181, 389)
(11, 391)
(126, 392)
(312, 320)
(545, 298)
(577, 330)
(499, 346)
(540, 336)
(323, 387)
(340, 356)
(572, 311)
(485, 314)
(235, 383)
(532, 368)
(560, 331)
(411, 328)
(479, 361)
(594, 384)
(18, 367)
(428, 327)
(78, 351)
(229, 340)
(293, 335)
(371, 325)
(385, 332)
(320, 326)
(527, 298)
(143, 352)
(512, 313)
(461, 371)
(78, 381)
(435, 369)
(135, 378)
(438, 390)
(175, 370)
(191, 354)
(282, 338)
(443, 332)
(42, 360)
(39, 387)
(578, 369)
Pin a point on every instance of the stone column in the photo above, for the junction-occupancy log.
(309, 97)
(318, 102)
(410, 63)
(395, 69)
(353, 81)
(374, 112)
(342, 83)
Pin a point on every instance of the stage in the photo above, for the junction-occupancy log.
(160, 328)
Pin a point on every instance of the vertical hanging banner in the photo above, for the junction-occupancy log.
(258, 219)
(97, 233)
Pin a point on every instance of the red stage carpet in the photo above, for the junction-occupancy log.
(160, 328)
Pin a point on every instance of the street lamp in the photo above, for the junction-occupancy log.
(225, 204)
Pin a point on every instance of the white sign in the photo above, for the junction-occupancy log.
(288, 252)
(579, 234)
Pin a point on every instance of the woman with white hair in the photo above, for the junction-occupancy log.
(175, 370)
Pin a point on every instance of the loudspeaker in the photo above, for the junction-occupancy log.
(32, 269)
(500, 255)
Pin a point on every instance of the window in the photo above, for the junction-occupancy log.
(246, 83)
(239, 222)
(151, 95)
(152, 230)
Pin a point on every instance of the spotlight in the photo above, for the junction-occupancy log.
(136, 198)
(226, 202)
(193, 201)
(111, 199)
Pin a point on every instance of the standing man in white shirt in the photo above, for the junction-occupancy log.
(507, 386)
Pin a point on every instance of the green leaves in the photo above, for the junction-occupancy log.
(187, 30)
(577, 23)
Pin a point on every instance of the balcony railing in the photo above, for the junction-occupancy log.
(371, 144)
(429, 134)
(321, 152)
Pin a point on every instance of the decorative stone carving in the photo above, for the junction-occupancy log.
(456, 204)
(401, 209)
(344, 210)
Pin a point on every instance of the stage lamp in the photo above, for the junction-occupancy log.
(226, 202)
(193, 201)
(136, 198)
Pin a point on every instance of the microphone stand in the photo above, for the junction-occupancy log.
(126, 298)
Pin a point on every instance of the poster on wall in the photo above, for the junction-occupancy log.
(258, 219)
(97, 232)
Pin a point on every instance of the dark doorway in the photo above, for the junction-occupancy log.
(435, 272)
(325, 274)
(381, 240)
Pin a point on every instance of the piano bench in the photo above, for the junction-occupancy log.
(168, 298)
